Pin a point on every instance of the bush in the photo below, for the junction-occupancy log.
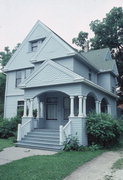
(71, 144)
(8, 127)
(102, 129)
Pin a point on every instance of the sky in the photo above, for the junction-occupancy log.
(66, 17)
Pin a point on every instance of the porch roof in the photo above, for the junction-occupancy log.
(50, 73)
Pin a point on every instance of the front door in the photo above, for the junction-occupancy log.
(52, 112)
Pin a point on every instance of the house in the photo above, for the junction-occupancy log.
(49, 77)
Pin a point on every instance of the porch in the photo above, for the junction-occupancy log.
(57, 112)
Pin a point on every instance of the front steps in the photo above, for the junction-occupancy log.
(47, 139)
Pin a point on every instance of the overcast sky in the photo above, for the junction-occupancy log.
(65, 17)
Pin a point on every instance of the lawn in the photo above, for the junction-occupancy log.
(6, 143)
(49, 167)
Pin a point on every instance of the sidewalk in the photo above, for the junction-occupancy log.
(99, 168)
(14, 153)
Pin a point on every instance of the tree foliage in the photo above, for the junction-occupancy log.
(6, 54)
(81, 39)
(109, 33)
(4, 58)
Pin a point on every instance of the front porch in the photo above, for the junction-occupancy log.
(57, 112)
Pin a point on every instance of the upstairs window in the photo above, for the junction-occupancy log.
(35, 44)
(18, 78)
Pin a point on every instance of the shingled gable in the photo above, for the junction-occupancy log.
(50, 73)
(22, 57)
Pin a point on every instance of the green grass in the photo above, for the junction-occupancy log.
(4, 143)
(118, 164)
(52, 167)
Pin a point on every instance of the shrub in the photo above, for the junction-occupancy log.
(8, 127)
(71, 144)
(102, 129)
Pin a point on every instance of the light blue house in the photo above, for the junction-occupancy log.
(49, 76)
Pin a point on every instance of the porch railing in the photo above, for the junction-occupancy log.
(65, 132)
(24, 129)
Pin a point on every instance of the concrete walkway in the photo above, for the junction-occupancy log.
(14, 153)
(99, 168)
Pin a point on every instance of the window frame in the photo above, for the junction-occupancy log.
(19, 106)
(18, 78)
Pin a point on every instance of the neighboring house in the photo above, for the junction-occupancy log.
(49, 76)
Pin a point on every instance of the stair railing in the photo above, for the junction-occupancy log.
(24, 129)
(65, 132)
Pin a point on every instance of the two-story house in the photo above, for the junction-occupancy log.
(61, 85)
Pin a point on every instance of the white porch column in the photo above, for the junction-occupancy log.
(42, 109)
(97, 107)
(80, 106)
(71, 106)
(38, 108)
(31, 108)
(109, 109)
(84, 106)
(25, 108)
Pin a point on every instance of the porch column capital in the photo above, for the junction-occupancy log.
(71, 106)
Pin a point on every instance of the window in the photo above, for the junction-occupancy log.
(66, 107)
(18, 78)
(27, 72)
(51, 108)
(20, 108)
(90, 74)
(35, 44)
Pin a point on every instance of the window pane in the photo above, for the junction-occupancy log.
(21, 103)
(51, 112)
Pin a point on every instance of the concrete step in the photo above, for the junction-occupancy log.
(41, 139)
(37, 146)
(44, 133)
(42, 136)
(40, 142)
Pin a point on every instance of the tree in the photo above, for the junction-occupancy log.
(81, 39)
(6, 55)
(109, 33)
(4, 58)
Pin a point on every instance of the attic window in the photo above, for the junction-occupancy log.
(35, 44)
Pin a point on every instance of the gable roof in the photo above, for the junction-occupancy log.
(22, 57)
(102, 59)
(50, 73)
